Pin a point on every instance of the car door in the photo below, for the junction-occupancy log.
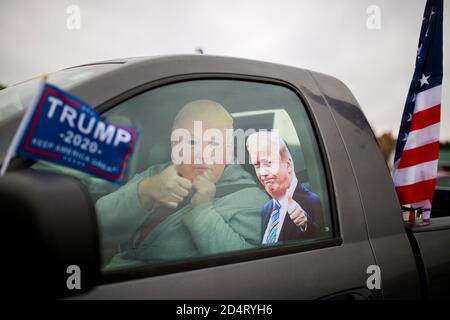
(334, 263)
(149, 95)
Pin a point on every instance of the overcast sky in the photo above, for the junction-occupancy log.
(322, 35)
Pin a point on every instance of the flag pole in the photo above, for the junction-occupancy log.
(11, 152)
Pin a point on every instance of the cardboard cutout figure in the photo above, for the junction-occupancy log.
(293, 212)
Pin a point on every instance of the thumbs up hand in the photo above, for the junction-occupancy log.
(296, 213)
(204, 190)
(167, 188)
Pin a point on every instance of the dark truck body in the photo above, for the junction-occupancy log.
(414, 262)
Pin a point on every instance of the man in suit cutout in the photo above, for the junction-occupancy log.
(294, 212)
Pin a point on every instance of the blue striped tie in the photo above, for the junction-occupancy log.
(274, 221)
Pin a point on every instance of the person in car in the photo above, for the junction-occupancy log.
(187, 208)
(294, 212)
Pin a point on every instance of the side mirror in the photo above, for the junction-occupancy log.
(51, 236)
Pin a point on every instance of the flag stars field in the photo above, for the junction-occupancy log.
(405, 137)
(423, 80)
(410, 117)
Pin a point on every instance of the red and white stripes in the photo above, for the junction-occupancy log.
(415, 172)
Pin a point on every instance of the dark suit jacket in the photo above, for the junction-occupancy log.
(310, 202)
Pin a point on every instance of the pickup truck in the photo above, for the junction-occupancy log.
(54, 232)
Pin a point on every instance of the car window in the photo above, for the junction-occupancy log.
(17, 97)
(221, 166)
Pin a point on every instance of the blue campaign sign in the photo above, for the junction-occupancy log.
(67, 131)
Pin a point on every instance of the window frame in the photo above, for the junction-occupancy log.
(201, 262)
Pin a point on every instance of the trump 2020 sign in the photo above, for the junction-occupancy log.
(65, 130)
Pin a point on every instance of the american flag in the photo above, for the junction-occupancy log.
(417, 151)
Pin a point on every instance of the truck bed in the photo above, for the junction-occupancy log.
(433, 261)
